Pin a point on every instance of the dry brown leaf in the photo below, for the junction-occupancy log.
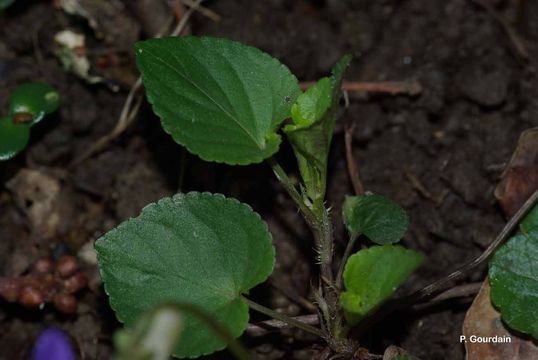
(483, 320)
(520, 178)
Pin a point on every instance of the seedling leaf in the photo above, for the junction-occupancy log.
(195, 248)
(513, 277)
(380, 219)
(36, 99)
(221, 99)
(13, 138)
(314, 115)
(372, 275)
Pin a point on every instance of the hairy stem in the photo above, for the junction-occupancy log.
(324, 243)
(292, 191)
(317, 217)
(286, 319)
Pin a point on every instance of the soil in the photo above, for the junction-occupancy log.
(479, 93)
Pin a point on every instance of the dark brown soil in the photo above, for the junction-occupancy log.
(479, 93)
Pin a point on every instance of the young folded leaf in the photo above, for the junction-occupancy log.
(224, 101)
(378, 218)
(314, 115)
(513, 276)
(195, 248)
(372, 275)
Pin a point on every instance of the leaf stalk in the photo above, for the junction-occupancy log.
(284, 318)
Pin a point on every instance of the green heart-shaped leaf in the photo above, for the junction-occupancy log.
(381, 220)
(222, 100)
(372, 275)
(36, 99)
(194, 248)
(13, 138)
(513, 276)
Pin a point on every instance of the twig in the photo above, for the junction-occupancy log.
(410, 87)
(284, 318)
(352, 168)
(132, 102)
(127, 115)
(203, 10)
(464, 290)
(264, 327)
(417, 184)
(501, 237)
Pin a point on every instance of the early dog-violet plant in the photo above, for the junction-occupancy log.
(230, 103)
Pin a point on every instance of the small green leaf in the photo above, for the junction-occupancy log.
(372, 275)
(13, 138)
(382, 220)
(36, 99)
(530, 221)
(404, 357)
(194, 248)
(513, 276)
(311, 105)
(222, 100)
(314, 115)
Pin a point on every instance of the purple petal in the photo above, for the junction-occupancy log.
(53, 344)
